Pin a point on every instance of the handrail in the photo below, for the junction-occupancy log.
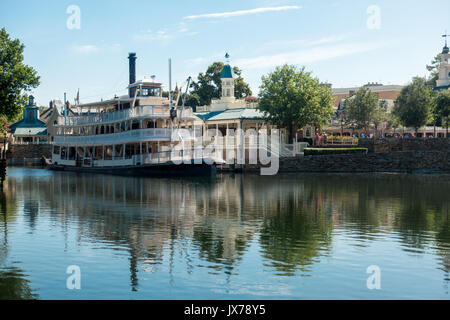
(127, 114)
(115, 138)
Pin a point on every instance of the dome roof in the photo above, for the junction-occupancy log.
(227, 72)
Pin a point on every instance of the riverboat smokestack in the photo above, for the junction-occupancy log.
(132, 65)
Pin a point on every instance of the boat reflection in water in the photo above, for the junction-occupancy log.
(236, 236)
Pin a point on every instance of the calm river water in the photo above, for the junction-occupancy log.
(305, 236)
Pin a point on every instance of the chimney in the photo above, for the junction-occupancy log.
(132, 67)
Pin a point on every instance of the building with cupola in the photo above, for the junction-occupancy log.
(29, 130)
(443, 82)
(227, 112)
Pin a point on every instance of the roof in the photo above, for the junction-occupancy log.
(30, 131)
(390, 92)
(227, 72)
(231, 114)
(447, 87)
(372, 88)
(27, 125)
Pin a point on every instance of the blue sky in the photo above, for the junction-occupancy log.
(340, 41)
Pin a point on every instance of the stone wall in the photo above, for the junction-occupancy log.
(28, 151)
(407, 162)
(396, 145)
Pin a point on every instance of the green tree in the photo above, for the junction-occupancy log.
(380, 115)
(363, 109)
(209, 86)
(193, 101)
(414, 104)
(433, 68)
(15, 77)
(292, 98)
(442, 108)
(393, 121)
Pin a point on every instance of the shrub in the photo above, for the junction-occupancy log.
(324, 151)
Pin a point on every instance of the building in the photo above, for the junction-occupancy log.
(29, 130)
(443, 82)
(50, 117)
(229, 113)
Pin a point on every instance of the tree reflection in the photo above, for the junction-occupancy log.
(291, 218)
(13, 282)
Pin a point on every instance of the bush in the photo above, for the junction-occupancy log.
(324, 151)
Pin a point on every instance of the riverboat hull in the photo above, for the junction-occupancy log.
(168, 169)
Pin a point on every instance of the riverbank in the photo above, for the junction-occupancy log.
(401, 162)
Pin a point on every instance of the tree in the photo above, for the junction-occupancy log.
(363, 109)
(442, 107)
(414, 104)
(209, 86)
(291, 97)
(380, 115)
(433, 68)
(193, 101)
(393, 121)
(15, 77)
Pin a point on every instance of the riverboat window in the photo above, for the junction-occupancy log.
(150, 124)
(135, 125)
(56, 150)
(88, 152)
(63, 153)
(98, 153)
(118, 151)
(129, 150)
(108, 152)
(71, 153)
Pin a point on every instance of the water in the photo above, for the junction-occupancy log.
(305, 236)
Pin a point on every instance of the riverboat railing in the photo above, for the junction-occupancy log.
(115, 138)
(127, 114)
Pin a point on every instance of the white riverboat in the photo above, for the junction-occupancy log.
(137, 134)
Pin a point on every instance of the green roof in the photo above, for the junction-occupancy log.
(227, 72)
(231, 114)
(30, 131)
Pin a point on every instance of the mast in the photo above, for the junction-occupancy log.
(64, 109)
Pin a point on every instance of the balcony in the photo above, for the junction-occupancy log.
(127, 114)
(115, 138)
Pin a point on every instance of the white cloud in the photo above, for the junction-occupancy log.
(241, 12)
(149, 35)
(306, 56)
(85, 49)
(308, 43)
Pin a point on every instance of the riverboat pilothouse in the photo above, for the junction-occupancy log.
(137, 134)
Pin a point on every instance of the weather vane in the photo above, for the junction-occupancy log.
(445, 36)
(227, 57)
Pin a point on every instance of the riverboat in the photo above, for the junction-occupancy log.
(140, 133)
